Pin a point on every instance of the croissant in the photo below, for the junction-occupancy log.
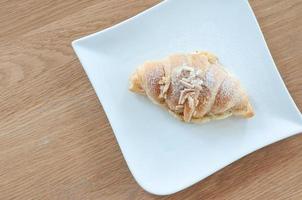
(193, 87)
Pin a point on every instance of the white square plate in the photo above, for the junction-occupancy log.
(164, 154)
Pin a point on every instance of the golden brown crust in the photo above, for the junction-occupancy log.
(136, 84)
(193, 87)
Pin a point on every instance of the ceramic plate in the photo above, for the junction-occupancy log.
(164, 154)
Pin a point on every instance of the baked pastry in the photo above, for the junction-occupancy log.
(193, 87)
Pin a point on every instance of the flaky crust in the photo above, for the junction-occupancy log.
(192, 87)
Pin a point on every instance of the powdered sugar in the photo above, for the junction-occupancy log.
(155, 75)
(228, 90)
(209, 78)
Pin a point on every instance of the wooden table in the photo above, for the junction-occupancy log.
(55, 140)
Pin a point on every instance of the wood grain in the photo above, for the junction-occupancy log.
(55, 140)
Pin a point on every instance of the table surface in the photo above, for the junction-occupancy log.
(55, 139)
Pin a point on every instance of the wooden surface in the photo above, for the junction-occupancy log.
(55, 140)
